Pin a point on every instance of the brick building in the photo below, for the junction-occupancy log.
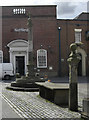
(76, 30)
(45, 37)
(51, 39)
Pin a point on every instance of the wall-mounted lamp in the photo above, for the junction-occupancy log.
(59, 28)
(50, 49)
(41, 46)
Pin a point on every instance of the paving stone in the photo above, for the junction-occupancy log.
(34, 106)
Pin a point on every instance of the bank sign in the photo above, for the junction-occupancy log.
(21, 30)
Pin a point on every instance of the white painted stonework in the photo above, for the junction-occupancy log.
(84, 55)
(18, 48)
(1, 56)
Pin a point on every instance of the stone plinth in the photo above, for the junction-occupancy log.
(85, 112)
(25, 84)
(54, 92)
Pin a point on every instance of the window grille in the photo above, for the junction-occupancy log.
(78, 35)
(17, 11)
(42, 58)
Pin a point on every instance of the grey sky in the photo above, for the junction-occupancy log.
(65, 8)
(69, 10)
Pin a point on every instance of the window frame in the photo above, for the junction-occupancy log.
(38, 52)
(78, 35)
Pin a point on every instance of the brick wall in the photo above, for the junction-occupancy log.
(45, 31)
(68, 37)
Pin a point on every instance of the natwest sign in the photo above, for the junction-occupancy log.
(21, 29)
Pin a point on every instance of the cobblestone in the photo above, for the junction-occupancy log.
(33, 106)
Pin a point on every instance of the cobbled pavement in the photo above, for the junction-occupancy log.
(30, 105)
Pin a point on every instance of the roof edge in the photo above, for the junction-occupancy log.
(29, 6)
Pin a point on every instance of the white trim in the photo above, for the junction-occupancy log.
(14, 41)
(84, 55)
(78, 30)
(10, 56)
(77, 35)
(18, 48)
(1, 53)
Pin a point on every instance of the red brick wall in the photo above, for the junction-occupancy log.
(45, 31)
(40, 10)
(68, 37)
(8, 34)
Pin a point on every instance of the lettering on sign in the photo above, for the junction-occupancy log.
(21, 30)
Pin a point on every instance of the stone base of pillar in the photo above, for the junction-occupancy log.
(73, 97)
(85, 112)
(25, 84)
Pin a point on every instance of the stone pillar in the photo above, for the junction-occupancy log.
(29, 80)
(73, 61)
(30, 65)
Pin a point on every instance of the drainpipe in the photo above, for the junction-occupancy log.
(59, 73)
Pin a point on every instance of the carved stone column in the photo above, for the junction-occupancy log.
(73, 61)
(27, 83)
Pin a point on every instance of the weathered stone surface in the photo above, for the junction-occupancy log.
(73, 61)
(31, 106)
(85, 112)
(54, 92)
(73, 93)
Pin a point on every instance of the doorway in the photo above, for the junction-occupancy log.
(20, 65)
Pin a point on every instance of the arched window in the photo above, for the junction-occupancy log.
(41, 58)
(1, 56)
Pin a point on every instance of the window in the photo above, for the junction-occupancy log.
(17, 11)
(42, 58)
(1, 56)
(78, 35)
